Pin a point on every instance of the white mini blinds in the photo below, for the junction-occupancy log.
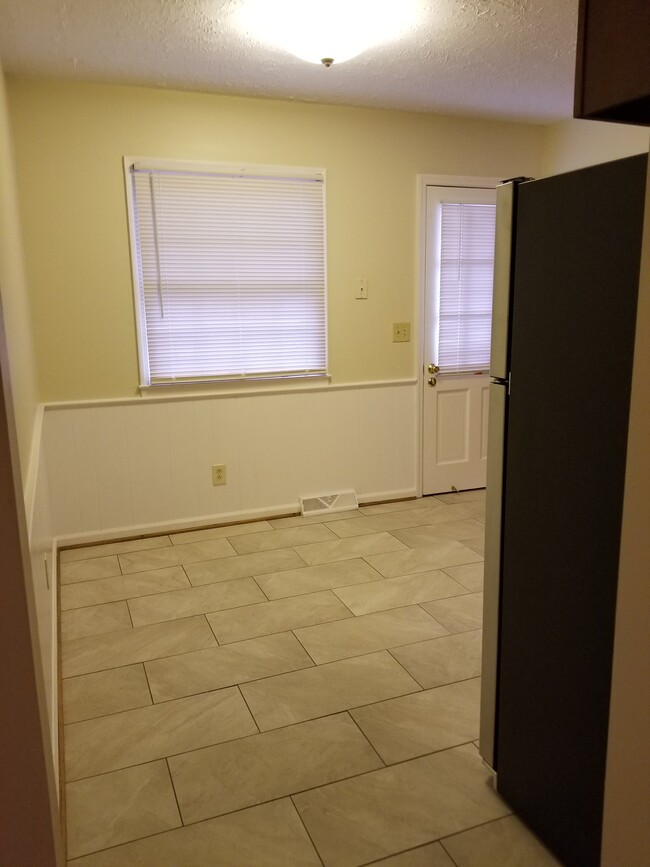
(230, 272)
(465, 287)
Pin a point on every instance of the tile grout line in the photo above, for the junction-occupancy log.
(290, 797)
(308, 719)
(87, 580)
(266, 677)
(187, 578)
(378, 649)
(405, 669)
(312, 788)
(259, 575)
(307, 832)
(172, 590)
(425, 601)
(346, 711)
(255, 577)
(380, 577)
(336, 596)
(90, 581)
(508, 815)
(322, 716)
(165, 758)
(182, 827)
(408, 851)
(293, 631)
(243, 607)
(252, 575)
(333, 588)
(258, 680)
(122, 540)
(136, 661)
(178, 806)
(370, 743)
(255, 723)
(447, 852)
(205, 617)
(146, 677)
(284, 631)
(223, 535)
(293, 548)
(128, 608)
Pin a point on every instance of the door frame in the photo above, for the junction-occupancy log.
(424, 181)
(28, 786)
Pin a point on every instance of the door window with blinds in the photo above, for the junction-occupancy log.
(229, 271)
(463, 221)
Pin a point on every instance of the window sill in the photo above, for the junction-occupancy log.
(237, 388)
(157, 394)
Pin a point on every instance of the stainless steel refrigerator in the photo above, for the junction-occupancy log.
(566, 282)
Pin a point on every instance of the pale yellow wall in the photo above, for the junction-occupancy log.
(71, 138)
(573, 144)
(15, 300)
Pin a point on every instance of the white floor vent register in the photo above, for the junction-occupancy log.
(321, 505)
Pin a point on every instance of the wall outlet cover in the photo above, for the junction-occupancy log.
(401, 332)
(219, 474)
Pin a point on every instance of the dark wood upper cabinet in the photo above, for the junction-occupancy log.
(613, 61)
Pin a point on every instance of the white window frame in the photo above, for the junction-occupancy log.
(455, 196)
(424, 181)
(213, 167)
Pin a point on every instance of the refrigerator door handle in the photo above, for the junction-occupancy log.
(494, 380)
(500, 339)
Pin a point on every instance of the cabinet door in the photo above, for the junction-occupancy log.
(613, 61)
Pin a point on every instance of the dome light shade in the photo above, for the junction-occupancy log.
(326, 31)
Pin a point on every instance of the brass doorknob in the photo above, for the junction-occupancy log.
(432, 381)
(433, 368)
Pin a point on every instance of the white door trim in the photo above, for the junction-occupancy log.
(424, 181)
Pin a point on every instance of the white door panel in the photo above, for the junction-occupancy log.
(455, 434)
(451, 425)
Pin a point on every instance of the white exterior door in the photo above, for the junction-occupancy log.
(455, 434)
(458, 299)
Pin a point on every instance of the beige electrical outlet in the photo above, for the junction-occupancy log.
(401, 332)
(219, 474)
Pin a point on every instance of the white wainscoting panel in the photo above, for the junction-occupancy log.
(141, 465)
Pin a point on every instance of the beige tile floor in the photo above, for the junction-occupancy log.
(300, 691)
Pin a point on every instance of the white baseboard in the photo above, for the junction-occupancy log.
(177, 526)
(387, 496)
(196, 523)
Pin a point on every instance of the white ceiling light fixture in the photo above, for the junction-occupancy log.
(327, 31)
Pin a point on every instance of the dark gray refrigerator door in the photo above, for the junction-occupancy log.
(499, 370)
(492, 570)
(576, 276)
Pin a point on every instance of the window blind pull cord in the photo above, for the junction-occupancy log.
(154, 219)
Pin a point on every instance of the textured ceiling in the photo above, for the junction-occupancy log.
(508, 59)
